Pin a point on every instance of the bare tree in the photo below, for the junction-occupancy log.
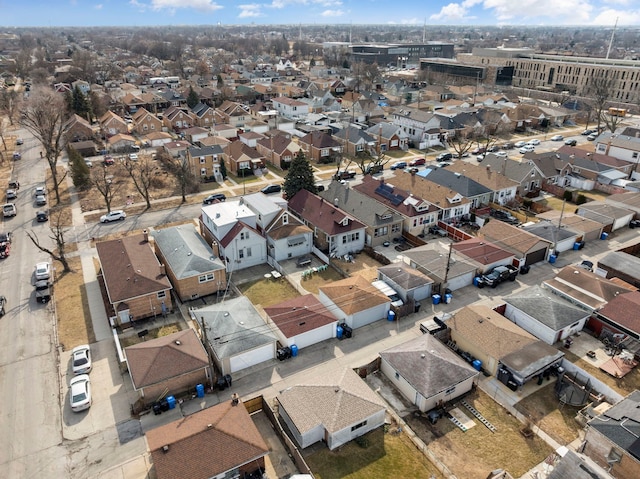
(9, 104)
(611, 122)
(141, 172)
(182, 170)
(44, 118)
(106, 185)
(461, 143)
(600, 90)
(57, 235)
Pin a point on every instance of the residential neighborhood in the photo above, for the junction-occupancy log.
(320, 260)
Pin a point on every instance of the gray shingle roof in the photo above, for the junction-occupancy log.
(546, 307)
(428, 365)
(457, 182)
(186, 252)
(621, 423)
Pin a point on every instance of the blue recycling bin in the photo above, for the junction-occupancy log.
(552, 258)
(436, 299)
(294, 350)
(447, 298)
(604, 236)
(200, 390)
(339, 332)
(391, 316)
(171, 401)
(576, 246)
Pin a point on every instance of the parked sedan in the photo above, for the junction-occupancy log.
(43, 291)
(534, 142)
(557, 138)
(80, 393)
(41, 200)
(81, 359)
(520, 144)
(592, 137)
(571, 142)
(115, 215)
(43, 271)
(271, 189)
(587, 132)
(417, 162)
(42, 216)
(399, 165)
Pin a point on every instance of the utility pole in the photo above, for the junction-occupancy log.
(206, 347)
(446, 271)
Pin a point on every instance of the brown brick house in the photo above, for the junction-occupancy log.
(192, 268)
(175, 363)
(135, 283)
(279, 149)
(219, 441)
(145, 122)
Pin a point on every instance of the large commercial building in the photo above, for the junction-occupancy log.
(394, 54)
(556, 73)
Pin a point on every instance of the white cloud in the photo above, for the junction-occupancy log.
(249, 10)
(452, 11)
(333, 13)
(322, 3)
(98, 6)
(557, 11)
(609, 17)
(202, 5)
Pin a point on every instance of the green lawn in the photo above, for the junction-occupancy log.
(380, 456)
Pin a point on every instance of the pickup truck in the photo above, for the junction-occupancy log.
(345, 175)
(498, 275)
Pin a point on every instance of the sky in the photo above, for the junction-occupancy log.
(51, 13)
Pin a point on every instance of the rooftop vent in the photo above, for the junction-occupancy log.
(178, 343)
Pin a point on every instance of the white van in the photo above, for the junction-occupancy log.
(388, 291)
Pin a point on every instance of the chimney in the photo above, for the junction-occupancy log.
(488, 168)
(163, 270)
(145, 234)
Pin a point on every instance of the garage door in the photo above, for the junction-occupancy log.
(460, 281)
(536, 256)
(251, 358)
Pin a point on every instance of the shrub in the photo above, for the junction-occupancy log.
(567, 196)
(581, 199)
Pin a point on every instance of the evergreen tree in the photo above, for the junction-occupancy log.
(223, 170)
(79, 103)
(299, 177)
(79, 169)
(192, 98)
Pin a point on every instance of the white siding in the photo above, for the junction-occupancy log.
(345, 435)
(368, 316)
(251, 358)
(314, 336)
(460, 281)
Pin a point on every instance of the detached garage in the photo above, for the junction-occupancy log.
(527, 248)
(238, 337)
(432, 261)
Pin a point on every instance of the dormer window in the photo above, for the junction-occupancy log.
(285, 219)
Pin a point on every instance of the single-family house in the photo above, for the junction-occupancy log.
(417, 213)
(587, 230)
(335, 232)
(204, 114)
(418, 125)
(237, 336)
(135, 282)
(278, 149)
(175, 363)
(478, 194)
(219, 441)
(239, 157)
(427, 373)
(290, 108)
(205, 162)
(547, 316)
(484, 254)
(231, 228)
(355, 141)
(192, 268)
(624, 145)
(177, 118)
(78, 129)
(389, 137)
(302, 321)
(528, 177)
(503, 188)
(611, 438)
(320, 147)
(287, 237)
(355, 301)
(233, 113)
(111, 124)
(334, 408)
(145, 122)
(382, 223)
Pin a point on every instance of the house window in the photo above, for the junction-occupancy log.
(359, 148)
(240, 253)
(205, 278)
(634, 155)
(397, 375)
(248, 252)
(202, 160)
(450, 390)
(203, 172)
(614, 456)
(285, 219)
(153, 127)
(324, 152)
(381, 231)
(162, 294)
(144, 127)
(395, 228)
(358, 426)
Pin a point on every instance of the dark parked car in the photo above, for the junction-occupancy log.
(43, 291)
(399, 165)
(587, 132)
(504, 216)
(344, 175)
(479, 151)
(444, 156)
(214, 198)
(507, 146)
(571, 142)
(634, 223)
(271, 189)
(42, 216)
(372, 170)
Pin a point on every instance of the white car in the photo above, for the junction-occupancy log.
(115, 215)
(526, 149)
(81, 359)
(501, 154)
(43, 271)
(80, 393)
(39, 191)
(557, 138)
(519, 144)
(133, 156)
(534, 142)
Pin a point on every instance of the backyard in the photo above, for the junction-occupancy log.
(478, 451)
(378, 454)
(625, 385)
(267, 292)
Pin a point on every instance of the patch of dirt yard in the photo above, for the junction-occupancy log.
(625, 385)
(545, 411)
(72, 306)
(316, 280)
(267, 292)
(478, 451)
(362, 264)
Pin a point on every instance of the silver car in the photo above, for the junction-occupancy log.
(115, 215)
(80, 393)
